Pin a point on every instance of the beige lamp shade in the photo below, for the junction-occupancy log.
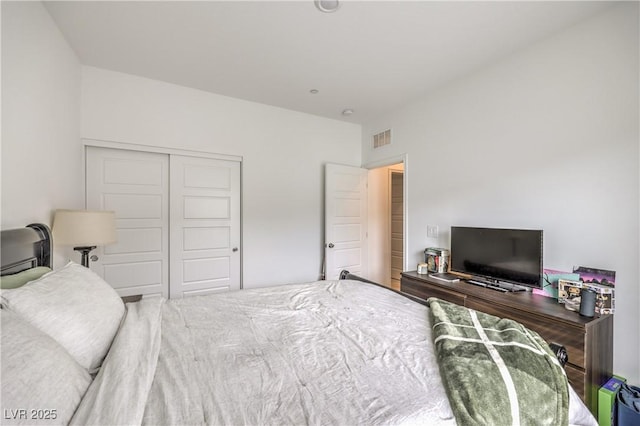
(84, 227)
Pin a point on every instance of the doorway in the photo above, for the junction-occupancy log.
(386, 224)
(366, 221)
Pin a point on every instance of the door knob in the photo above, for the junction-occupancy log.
(235, 249)
(331, 245)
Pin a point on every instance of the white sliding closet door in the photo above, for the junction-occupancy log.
(136, 186)
(177, 218)
(205, 225)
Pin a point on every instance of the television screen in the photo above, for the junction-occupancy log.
(509, 255)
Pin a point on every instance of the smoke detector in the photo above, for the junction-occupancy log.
(327, 6)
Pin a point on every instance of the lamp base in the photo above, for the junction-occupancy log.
(85, 254)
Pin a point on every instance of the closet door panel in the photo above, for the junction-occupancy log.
(205, 225)
(135, 185)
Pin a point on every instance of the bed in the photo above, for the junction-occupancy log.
(330, 352)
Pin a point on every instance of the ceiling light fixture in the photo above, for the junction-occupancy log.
(347, 111)
(313, 91)
(327, 6)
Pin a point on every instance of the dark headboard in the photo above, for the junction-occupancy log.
(25, 248)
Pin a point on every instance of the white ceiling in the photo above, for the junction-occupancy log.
(370, 56)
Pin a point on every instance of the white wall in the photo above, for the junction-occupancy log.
(283, 152)
(41, 156)
(547, 138)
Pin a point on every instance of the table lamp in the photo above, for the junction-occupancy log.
(84, 229)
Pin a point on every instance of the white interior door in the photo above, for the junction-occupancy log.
(345, 220)
(135, 185)
(205, 225)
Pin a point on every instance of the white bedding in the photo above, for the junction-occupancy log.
(331, 352)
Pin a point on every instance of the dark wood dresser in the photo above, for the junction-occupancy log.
(589, 341)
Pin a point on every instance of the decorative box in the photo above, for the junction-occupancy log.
(568, 290)
(550, 278)
(605, 301)
(437, 259)
(605, 296)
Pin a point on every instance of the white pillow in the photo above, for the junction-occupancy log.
(41, 382)
(74, 306)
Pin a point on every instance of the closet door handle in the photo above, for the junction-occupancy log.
(235, 249)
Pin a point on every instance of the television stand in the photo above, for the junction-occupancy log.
(498, 286)
(588, 341)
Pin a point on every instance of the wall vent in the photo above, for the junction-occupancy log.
(382, 139)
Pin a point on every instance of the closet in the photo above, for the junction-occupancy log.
(178, 220)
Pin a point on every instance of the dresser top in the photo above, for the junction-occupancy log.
(523, 300)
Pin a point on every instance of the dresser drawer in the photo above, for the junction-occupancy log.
(424, 292)
(572, 338)
(577, 379)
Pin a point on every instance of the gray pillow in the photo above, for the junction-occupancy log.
(74, 306)
(41, 382)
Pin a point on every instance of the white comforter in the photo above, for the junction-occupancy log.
(331, 352)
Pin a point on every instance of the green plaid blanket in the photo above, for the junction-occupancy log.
(496, 371)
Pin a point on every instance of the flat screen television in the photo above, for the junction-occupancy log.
(495, 255)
